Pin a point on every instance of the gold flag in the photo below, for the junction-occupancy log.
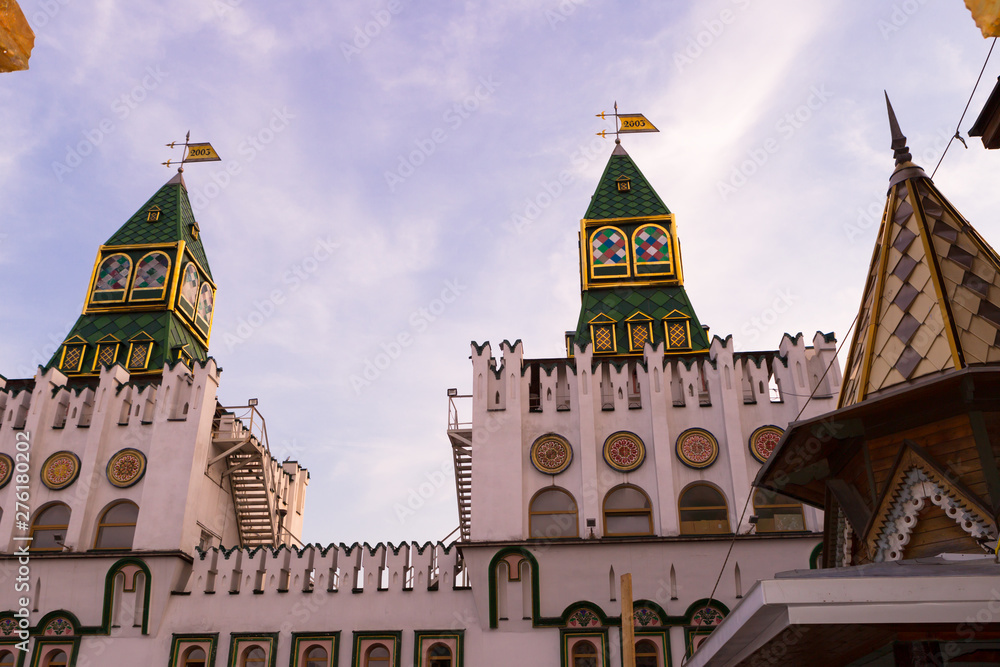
(634, 122)
(201, 153)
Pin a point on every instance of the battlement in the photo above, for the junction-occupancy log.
(355, 568)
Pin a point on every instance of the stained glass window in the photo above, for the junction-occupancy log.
(151, 276)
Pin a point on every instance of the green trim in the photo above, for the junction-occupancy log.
(41, 642)
(566, 634)
(660, 611)
(300, 637)
(816, 557)
(457, 635)
(393, 636)
(236, 639)
(177, 639)
(492, 570)
(664, 637)
(698, 605)
(109, 592)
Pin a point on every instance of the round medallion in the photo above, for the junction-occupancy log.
(551, 454)
(624, 451)
(58, 626)
(6, 469)
(763, 441)
(126, 467)
(697, 448)
(8, 626)
(60, 470)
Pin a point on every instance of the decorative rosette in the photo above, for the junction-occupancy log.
(551, 454)
(6, 469)
(763, 441)
(624, 451)
(126, 467)
(697, 448)
(60, 470)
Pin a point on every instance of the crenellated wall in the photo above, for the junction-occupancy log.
(657, 397)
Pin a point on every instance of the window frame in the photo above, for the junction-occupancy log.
(133, 279)
(569, 638)
(424, 640)
(363, 640)
(532, 513)
(304, 641)
(634, 256)
(648, 511)
(771, 506)
(120, 293)
(241, 643)
(182, 643)
(724, 507)
(626, 263)
(49, 527)
(101, 525)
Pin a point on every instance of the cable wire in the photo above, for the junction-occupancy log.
(958, 134)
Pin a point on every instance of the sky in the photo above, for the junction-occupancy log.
(399, 179)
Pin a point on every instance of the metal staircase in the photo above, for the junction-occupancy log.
(242, 442)
(460, 435)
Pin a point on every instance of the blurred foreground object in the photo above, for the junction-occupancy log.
(986, 14)
(16, 37)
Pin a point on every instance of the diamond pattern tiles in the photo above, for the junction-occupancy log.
(652, 245)
(608, 247)
(916, 331)
(639, 200)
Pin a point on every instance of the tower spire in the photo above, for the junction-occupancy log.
(899, 149)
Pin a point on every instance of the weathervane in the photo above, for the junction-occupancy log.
(201, 152)
(627, 123)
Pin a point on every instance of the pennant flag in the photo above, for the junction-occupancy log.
(634, 122)
(201, 153)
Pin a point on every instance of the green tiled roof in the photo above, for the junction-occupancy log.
(640, 200)
(622, 302)
(163, 327)
(174, 223)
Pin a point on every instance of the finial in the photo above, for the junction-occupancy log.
(618, 141)
(899, 149)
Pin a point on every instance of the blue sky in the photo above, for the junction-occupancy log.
(402, 178)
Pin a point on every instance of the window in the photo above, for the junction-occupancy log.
(677, 329)
(646, 654)
(602, 334)
(48, 530)
(777, 513)
(315, 656)
(193, 657)
(107, 352)
(552, 513)
(703, 511)
(651, 247)
(116, 527)
(439, 655)
(72, 355)
(377, 656)
(151, 273)
(584, 654)
(138, 351)
(627, 511)
(609, 256)
(111, 280)
(640, 332)
(190, 285)
(206, 301)
(56, 659)
(6, 659)
(254, 657)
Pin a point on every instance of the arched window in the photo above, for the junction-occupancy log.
(609, 254)
(56, 659)
(189, 289)
(116, 527)
(206, 303)
(6, 659)
(777, 513)
(193, 657)
(703, 511)
(584, 654)
(112, 278)
(377, 656)
(316, 656)
(627, 511)
(151, 277)
(48, 530)
(254, 657)
(651, 249)
(646, 654)
(439, 655)
(552, 513)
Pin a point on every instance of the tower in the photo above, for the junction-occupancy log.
(631, 273)
(151, 296)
